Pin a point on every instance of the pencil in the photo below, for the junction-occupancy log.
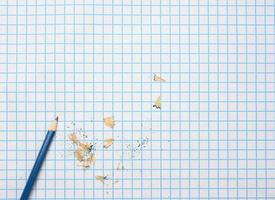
(39, 160)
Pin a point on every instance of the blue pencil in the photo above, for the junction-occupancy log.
(39, 161)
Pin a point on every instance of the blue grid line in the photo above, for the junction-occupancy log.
(113, 112)
(141, 101)
(199, 99)
(103, 78)
(151, 98)
(256, 98)
(266, 175)
(237, 89)
(208, 99)
(55, 82)
(16, 85)
(170, 119)
(74, 88)
(26, 114)
(180, 107)
(189, 99)
(150, 5)
(64, 104)
(227, 115)
(132, 97)
(93, 93)
(160, 123)
(219, 149)
(45, 103)
(122, 117)
(84, 81)
(246, 97)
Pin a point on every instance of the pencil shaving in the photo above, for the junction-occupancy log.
(158, 78)
(101, 178)
(84, 155)
(109, 122)
(79, 155)
(85, 146)
(73, 138)
(108, 142)
(157, 103)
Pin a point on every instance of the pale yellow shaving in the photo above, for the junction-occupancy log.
(158, 78)
(79, 154)
(84, 155)
(157, 103)
(108, 142)
(100, 178)
(73, 137)
(85, 146)
(109, 122)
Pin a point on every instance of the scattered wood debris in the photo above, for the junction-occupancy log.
(109, 122)
(101, 178)
(79, 155)
(157, 103)
(108, 142)
(73, 137)
(86, 146)
(89, 161)
(140, 144)
(158, 78)
(84, 152)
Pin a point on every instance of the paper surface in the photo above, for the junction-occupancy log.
(212, 138)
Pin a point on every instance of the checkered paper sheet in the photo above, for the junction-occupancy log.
(84, 60)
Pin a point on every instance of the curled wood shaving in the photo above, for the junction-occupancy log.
(109, 122)
(157, 103)
(158, 78)
(108, 142)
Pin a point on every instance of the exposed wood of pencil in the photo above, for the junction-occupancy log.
(53, 126)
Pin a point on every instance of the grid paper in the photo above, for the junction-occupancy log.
(84, 60)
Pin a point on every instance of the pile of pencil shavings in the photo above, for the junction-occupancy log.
(84, 152)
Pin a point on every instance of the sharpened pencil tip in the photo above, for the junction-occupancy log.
(53, 126)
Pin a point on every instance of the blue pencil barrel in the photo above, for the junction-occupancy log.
(37, 165)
